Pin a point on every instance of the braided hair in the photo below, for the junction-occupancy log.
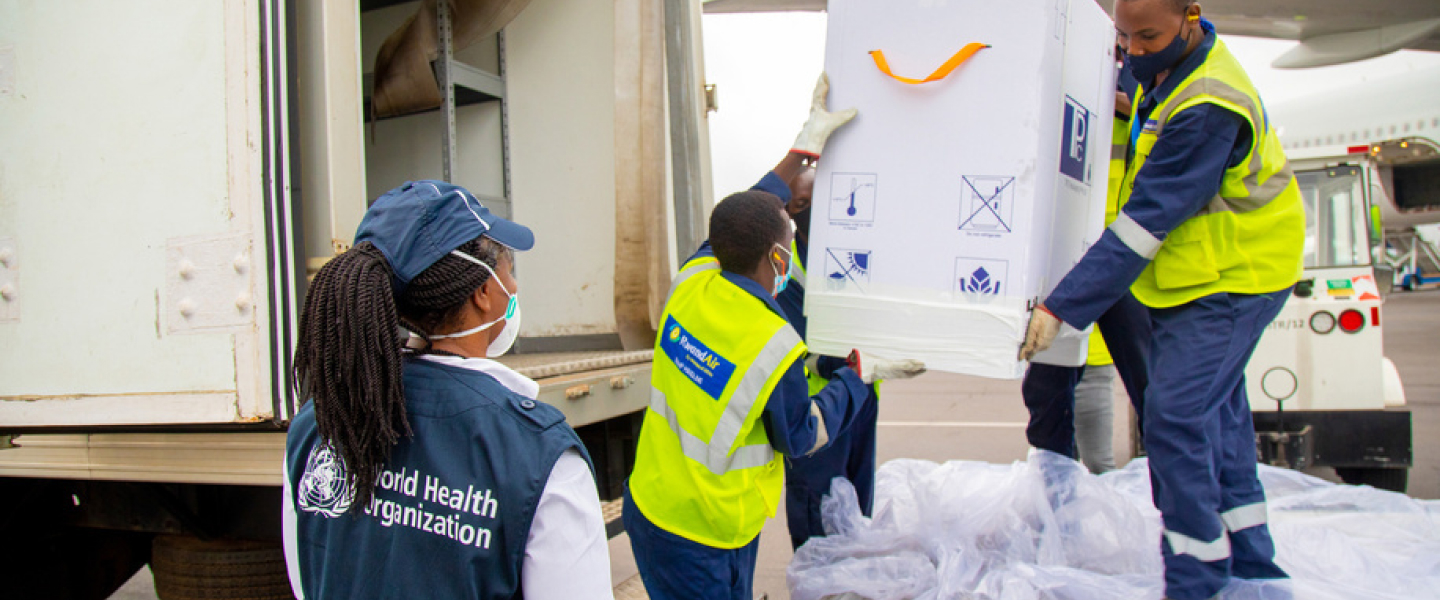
(349, 357)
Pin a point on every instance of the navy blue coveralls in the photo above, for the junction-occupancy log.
(454, 503)
(663, 557)
(852, 455)
(1198, 428)
(1049, 390)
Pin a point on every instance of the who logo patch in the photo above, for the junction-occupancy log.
(1075, 142)
(324, 487)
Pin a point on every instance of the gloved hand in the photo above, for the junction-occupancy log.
(872, 369)
(821, 123)
(1041, 333)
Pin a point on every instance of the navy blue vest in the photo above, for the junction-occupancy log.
(453, 505)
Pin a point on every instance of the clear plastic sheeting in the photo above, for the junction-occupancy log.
(1046, 529)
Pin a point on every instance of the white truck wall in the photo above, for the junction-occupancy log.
(560, 83)
(122, 149)
(332, 154)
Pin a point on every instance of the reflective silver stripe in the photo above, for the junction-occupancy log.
(1245, 517)
(1258, 194)
(1205, 551)
(1262, 193)
(822, 435)
(747, 392)
(694, 448)
(1137, 238)
(1118, 151)
(715, 454)
(685, 274)
(1214, 87)
(697, 450)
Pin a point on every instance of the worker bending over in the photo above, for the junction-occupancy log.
(1209, 236)
(730, 400)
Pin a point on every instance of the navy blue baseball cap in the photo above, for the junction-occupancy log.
(420, 222)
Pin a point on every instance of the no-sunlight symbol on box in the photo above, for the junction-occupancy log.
(987, 203)
(846, 270)
(980, 280)
(852, 198)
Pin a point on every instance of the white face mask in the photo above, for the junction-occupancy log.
(500, 345)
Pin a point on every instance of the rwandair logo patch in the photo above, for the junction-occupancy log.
(696, 361)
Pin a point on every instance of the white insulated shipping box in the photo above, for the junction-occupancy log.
(946, 210)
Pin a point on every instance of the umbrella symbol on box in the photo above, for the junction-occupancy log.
(844, 266)
(980, 280)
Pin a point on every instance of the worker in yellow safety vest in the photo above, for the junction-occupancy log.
(1209, 236)
(730, 396)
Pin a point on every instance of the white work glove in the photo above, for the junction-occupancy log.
(821, 123)
(1041, 333)
(872, 369)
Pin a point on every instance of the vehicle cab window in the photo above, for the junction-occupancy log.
(1335, 217)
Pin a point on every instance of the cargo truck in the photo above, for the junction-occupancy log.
(169, 174)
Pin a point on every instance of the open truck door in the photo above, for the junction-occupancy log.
(148, 217)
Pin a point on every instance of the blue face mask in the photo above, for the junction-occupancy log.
(1146, 68)
(782, 280)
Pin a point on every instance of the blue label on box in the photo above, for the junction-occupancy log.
(702, 366)
(1076, 139)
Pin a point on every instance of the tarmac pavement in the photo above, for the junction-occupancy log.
(942, 416)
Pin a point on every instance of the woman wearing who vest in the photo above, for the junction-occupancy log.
(1209, 236)
(730, 398)
(431, 471)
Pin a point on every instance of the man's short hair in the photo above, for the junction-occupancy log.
(744, 226)
(1178, 6)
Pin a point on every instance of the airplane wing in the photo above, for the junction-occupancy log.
(1329, 32)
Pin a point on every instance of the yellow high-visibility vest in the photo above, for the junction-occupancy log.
(1250, 237)
(1099, 353)
(797, 277)
(704, 468)
(1119, 147)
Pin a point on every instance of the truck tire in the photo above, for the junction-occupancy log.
(188, 568)
(1381, 478)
